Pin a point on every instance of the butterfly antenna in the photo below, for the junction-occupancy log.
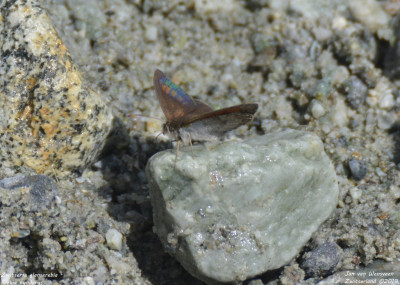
(134, 116)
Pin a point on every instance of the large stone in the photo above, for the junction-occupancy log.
(238, 209)
(50, 121)
(37, 192)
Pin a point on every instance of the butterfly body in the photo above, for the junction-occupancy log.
(192, 120)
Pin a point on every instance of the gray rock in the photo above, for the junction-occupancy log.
(238, 209)
(356, 92)
(40, 190)
(322, 260)
(22, 200)
(357, 168)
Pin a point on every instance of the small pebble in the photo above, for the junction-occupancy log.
(317, 109)
(385, 121)
(80, 179)
(357, 168)
(256, 282)
(387, 101)
(338, 114)
(339, 23)
(355, 193)
(356, 92)
(339, 75)
(114, 239)
(151, 33)
(322, 260)
(381, 95)
(88, 281)
(379, 172)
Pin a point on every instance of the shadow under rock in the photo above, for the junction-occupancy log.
(123, 162)
(270, 277)
(159, 267)
(395, 132)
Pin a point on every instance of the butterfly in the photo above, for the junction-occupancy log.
(190, 120)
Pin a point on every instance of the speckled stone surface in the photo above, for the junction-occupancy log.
(57, 238)
(50, 121)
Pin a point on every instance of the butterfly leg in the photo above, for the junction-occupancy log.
(177, 152)
(191, 145)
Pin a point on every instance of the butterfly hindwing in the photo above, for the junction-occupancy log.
(213, 125)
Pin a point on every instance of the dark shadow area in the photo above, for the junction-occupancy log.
(395, 132)
(383, 52)
(260, 69)
(254, 5)
(300, 111)
(388, 56)
(294, 95)
(267, 277)
(122, 163)
(257, 123)
(158, 266)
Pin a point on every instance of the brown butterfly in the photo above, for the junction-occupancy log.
(191, 120)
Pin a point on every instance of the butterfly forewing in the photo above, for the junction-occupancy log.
(174, 102)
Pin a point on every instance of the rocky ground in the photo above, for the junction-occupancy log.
(329, 67)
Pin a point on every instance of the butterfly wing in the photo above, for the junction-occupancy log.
(201, 109)
(175, 103)
(212, 125)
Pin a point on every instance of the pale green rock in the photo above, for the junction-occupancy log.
(237, 209)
